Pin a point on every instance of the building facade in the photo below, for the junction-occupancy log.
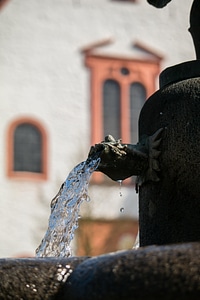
(64, 66)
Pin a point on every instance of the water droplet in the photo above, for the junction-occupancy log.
(120, 187)
(122, 209)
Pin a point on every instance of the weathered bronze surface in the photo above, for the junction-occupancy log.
(153, 273)
(119, 161)
(170, 208)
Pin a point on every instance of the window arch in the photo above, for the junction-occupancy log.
(111, 108)
(137, 99)
(27, 149)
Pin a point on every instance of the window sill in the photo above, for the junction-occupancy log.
(30, 176)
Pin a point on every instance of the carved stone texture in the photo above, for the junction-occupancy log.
(169, 209)
(119, 161)
(35, 278)
(153, 273)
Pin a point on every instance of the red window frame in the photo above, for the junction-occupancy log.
(10, 151)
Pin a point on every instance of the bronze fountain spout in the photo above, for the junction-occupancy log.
(120, 161)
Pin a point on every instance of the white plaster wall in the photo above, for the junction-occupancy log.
(42, 75)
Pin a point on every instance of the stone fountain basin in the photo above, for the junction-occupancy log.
(153, 272)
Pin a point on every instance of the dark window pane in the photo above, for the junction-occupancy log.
(111, 108)
(137, 99)
(27, 148)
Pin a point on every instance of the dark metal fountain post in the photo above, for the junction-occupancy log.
(169, 210)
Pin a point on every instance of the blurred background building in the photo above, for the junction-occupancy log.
(72, 71)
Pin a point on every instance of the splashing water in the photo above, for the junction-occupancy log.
(65, 207)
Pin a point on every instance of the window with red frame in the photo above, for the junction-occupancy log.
(27, 150)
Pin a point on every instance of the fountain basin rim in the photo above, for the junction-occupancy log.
(151, 272)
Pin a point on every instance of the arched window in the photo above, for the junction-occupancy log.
(137, 99)
(27, 155)
(111, 108)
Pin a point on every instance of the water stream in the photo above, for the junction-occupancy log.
(65, 207)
